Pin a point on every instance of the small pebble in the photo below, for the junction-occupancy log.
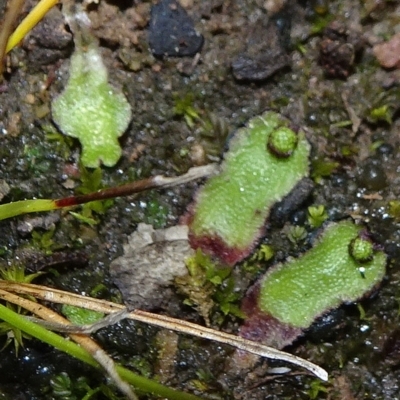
(372, 176)
(171, 31)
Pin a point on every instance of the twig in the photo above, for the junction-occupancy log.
(154, 182)
(85, 341)
(15, 208)
(10, 17)
(59, 296)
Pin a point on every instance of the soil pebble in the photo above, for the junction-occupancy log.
(171, 31)
(263, 56)
(338, 49)
(388, 53)
(372, 176)
(49, 41)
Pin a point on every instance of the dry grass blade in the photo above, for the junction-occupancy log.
(58, 296)
(28, 23)
(14, 8)
(83, 340)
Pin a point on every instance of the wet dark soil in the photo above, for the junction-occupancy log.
(309, 60)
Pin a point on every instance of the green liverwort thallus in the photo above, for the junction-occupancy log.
(291, 295)
(302, 289)
(266, 159)
(90, 109)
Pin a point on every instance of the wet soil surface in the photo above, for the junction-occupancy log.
(311, 61)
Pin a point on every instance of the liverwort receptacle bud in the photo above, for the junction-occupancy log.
(282, 142)
(361, 249)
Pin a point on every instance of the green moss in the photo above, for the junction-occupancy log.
(36, 159)
(63, 388)
(91, 181)
(63, 144)
(382, 113)
(184, 107)
(300, 290)
(209, 286)
(296, 234)
(394, 209)
(317, 388)
(321, 167)
(317, 215)
(263, 253)
(15, 273)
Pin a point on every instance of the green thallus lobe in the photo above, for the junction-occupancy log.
(90, 109)
(231, 209)
(297, 292)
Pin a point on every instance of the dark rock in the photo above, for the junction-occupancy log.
(49, 41)
(264, 54)
(338, 49)
(171, 31)
(250, 69)
(152, 260)
(282, 210)
(372, 176)
(46, 222)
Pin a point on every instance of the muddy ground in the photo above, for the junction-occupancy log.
(311, 61)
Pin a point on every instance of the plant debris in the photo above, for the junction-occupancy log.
(152, 260)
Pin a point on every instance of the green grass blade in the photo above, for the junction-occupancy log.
(59, 342)
(25, 206)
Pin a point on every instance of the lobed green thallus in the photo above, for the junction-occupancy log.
(231, 209)
(332, 272)
(90, 109)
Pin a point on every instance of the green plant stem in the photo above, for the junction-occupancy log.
(61, 343)
(9, 210)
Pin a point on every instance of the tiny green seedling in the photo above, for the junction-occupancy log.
(317, 215)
